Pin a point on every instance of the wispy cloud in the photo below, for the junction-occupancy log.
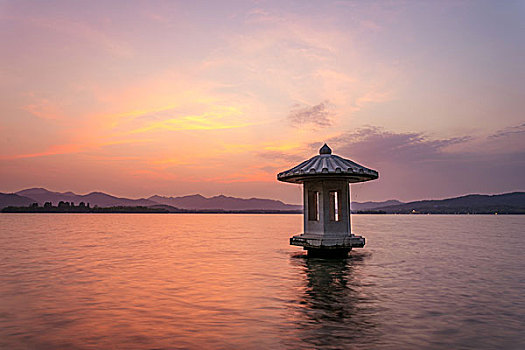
(318, 115)
(191, 122)
(50, 151)
(510, 131)
(44, 108)
(377, 144)
(77, 147)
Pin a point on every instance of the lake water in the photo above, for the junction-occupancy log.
(203, 281)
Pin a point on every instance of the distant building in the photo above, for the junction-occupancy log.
(326, 199)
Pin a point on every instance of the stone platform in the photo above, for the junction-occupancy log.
(327, 245)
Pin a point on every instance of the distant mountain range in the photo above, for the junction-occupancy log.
(508, 203)
(194, 202)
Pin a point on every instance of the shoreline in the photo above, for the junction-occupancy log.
(239, 212)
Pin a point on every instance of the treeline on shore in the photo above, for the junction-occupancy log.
(66, 207)
(448, 210)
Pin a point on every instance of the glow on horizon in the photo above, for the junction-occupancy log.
(174, 98)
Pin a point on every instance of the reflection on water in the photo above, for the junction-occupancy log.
(335, 312)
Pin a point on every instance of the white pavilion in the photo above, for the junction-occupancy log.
(326, 202)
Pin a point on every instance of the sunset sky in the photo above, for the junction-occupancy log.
(136, 98)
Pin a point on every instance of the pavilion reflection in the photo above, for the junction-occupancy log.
(333, 311)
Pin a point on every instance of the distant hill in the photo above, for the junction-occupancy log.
(223, 202)
(355, 206)
(7, 199)
(507, 203)
(41, 195)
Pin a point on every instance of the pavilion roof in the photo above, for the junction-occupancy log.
(328, 166)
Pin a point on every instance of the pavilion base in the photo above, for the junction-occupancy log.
(328, 246)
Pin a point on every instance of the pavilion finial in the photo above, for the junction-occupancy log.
(325, 149)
